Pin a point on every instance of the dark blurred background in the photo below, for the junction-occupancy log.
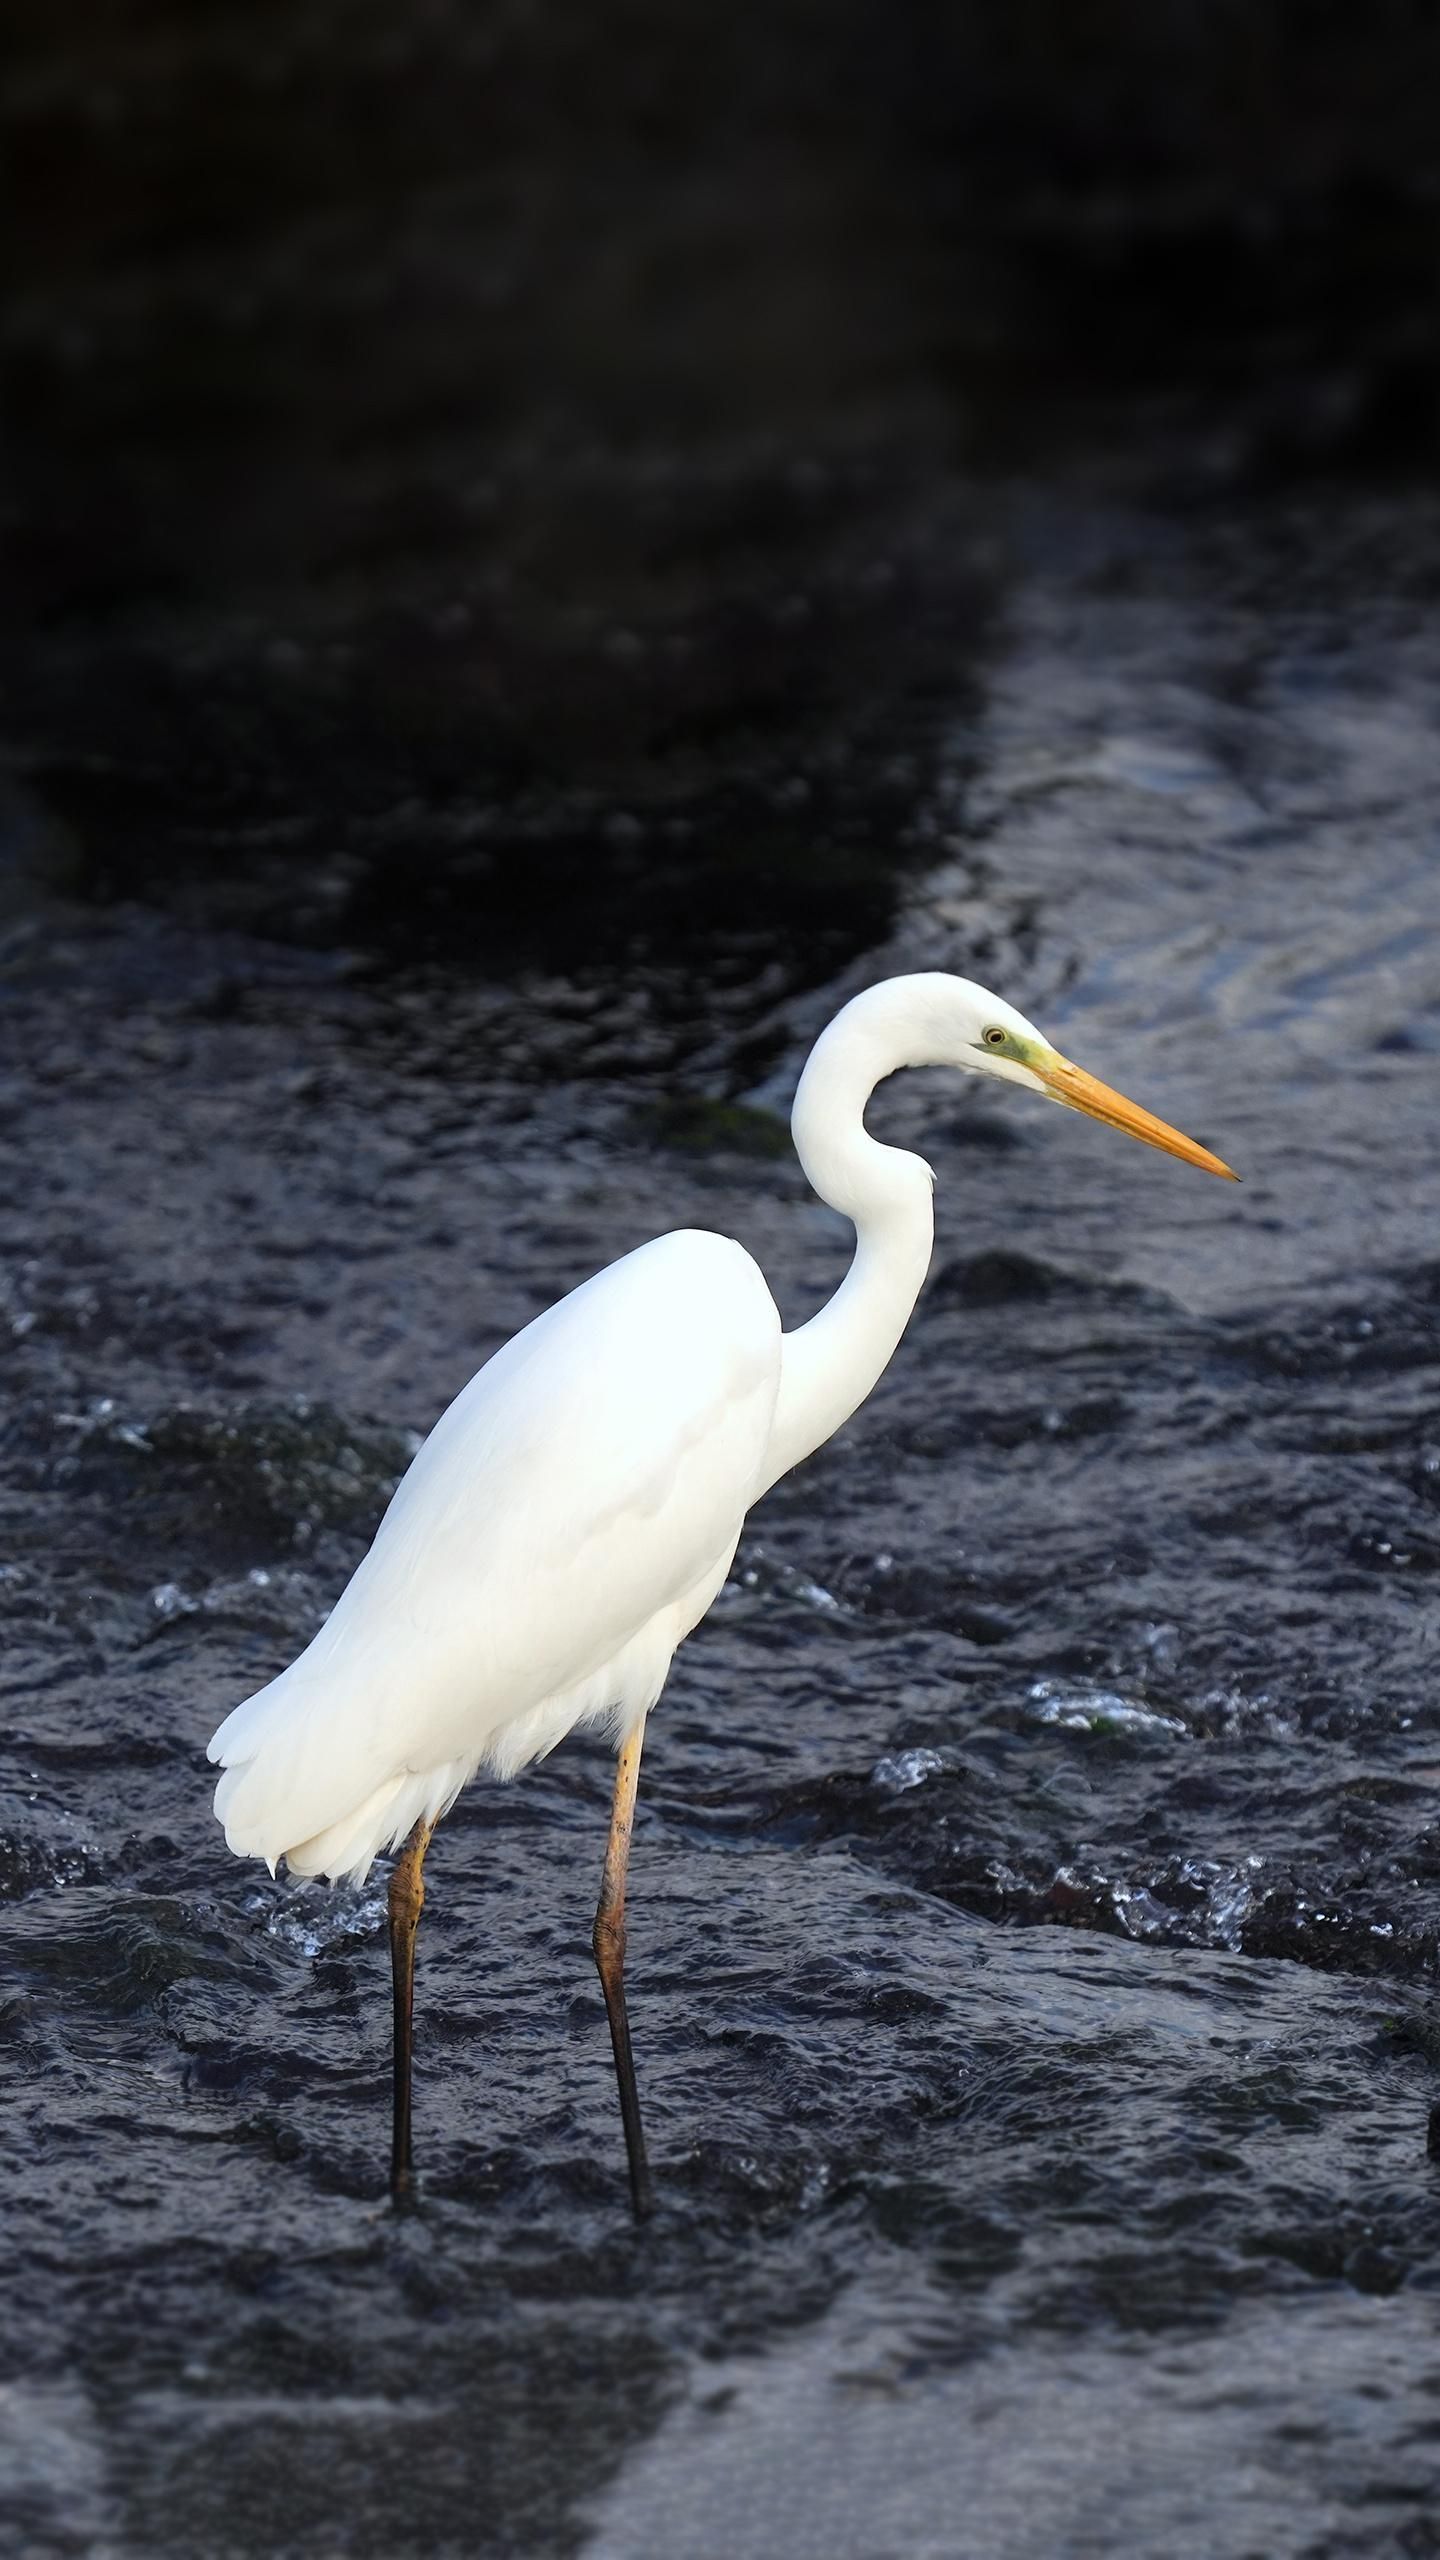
(510, 482)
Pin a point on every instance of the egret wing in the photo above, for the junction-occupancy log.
(586, 1480)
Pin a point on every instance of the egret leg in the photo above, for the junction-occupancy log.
(407, 1901)
(608, 1940)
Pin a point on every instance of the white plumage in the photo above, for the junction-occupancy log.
(570, 1518)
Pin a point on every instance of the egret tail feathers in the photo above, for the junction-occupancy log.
(251, 1800)
(290, 1788)
(345, 1850)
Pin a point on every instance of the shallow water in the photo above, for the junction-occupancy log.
(1037, 1890)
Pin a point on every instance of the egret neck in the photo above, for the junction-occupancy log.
(828, 1366)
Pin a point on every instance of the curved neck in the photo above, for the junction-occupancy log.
(828, 1366)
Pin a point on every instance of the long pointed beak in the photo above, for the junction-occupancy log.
(1083, 1092)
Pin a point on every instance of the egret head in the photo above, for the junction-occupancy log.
(998, 1041)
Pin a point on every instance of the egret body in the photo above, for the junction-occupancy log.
(575, 1511)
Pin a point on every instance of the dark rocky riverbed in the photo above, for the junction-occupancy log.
(435, 834)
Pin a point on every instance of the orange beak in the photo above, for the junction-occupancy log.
(1082, 1092)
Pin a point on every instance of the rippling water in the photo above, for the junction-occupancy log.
(1037, 1889)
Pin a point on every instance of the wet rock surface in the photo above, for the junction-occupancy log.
(437, 829)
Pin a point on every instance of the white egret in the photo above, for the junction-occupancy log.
(575, 1511)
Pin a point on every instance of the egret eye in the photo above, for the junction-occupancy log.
(994, 1038)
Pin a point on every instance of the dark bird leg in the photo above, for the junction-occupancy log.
(608, 1940)
(407, 1901)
